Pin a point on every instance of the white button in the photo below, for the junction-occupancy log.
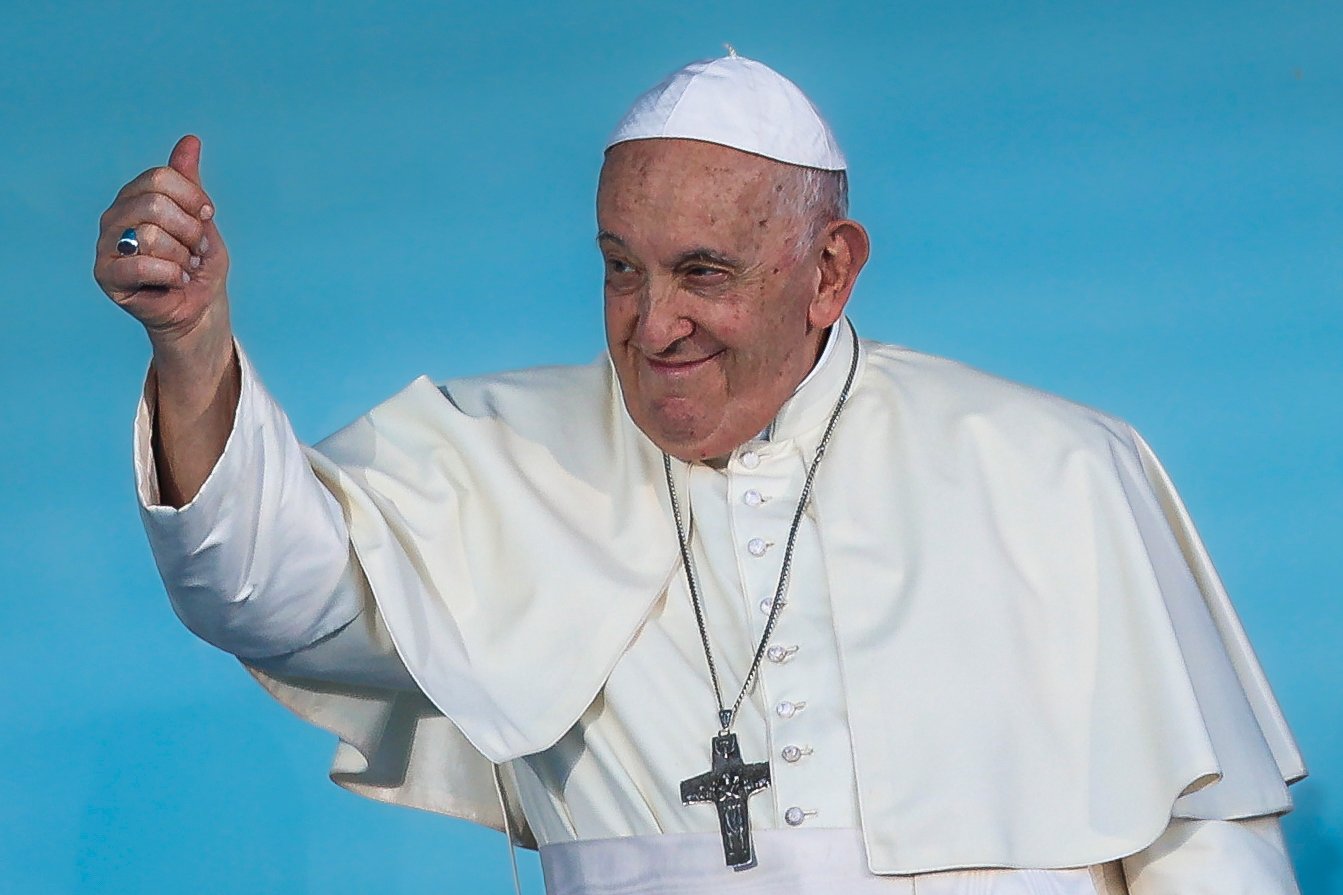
(750, 459)
(756, 546)
(753, 498)
(766, 605)
(792, 753)
(780, 654)
(788, 709)
(795, 816)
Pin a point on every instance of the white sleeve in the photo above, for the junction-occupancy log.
(258, 563)
(1214, 857)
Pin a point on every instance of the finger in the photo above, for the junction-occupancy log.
(122, 277)
(154, 241)
(186, 158)
(153, 208)
(173, 184)
(210, 243)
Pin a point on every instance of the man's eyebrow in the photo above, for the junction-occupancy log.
(697, 255)
(704, 255)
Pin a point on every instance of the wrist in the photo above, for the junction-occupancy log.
(202, 351)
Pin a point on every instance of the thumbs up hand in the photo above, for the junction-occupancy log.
(172, 279)
(175, 281)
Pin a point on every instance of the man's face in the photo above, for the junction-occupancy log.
(711, 311)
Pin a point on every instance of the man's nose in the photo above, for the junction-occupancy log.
(662, 319)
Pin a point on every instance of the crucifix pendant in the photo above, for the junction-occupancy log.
(728, 785)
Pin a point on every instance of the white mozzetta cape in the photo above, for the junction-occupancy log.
(1040, 664)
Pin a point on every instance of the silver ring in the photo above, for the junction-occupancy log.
(128, 244)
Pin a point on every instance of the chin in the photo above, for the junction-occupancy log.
(692, 452)
(681, 434)
(678, 437)
(692, 445)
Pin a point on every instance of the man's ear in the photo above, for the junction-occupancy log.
(844, 250)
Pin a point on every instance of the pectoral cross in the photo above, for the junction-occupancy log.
(728, 785)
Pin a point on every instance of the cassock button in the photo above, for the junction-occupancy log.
(793, 754)
(780, 654)
(788, 709)
(750, 459)
(795, 816)
(753, 498)
(756, 546)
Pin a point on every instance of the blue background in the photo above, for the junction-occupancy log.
(1135, 205)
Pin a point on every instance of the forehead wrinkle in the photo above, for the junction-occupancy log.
(660, 180)
(683, 194)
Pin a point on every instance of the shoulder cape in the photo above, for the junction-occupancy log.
(1041, 665)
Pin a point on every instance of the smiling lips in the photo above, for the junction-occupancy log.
(678, 368)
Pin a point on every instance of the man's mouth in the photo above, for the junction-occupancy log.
(679, 367)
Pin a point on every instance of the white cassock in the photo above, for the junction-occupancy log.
(1003, 644)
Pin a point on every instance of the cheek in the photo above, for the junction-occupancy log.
(619, 311)
(769, 337)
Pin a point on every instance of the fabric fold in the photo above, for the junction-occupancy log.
(1040, 666)
(501, 522)
(1053, 682)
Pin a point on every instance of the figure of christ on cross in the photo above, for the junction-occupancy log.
(728, 785)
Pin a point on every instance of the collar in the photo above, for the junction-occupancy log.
(814, 399)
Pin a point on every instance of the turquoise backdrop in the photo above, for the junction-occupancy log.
(1136, 205)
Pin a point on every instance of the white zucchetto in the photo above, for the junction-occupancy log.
(737, 102)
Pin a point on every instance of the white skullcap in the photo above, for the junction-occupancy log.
(736, 102)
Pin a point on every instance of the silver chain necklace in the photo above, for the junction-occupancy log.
(731, 781)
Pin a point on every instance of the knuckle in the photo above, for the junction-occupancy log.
(173, 251)
(154, 270)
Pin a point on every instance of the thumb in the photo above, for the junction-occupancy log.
(186, 158)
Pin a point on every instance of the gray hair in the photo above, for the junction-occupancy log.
(814, 198)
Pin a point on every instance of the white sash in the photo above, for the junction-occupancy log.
(790, 862)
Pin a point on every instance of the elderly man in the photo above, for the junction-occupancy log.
(748, 604)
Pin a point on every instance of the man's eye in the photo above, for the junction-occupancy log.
(621, 276)
(705, 275)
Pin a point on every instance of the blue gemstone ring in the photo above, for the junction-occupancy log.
(128, 244)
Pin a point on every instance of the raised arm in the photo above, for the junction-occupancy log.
(253, 550)
(173, 280)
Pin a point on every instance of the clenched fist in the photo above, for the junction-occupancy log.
(175, 285)
(174, 282)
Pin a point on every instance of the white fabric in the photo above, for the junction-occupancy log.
(1191, 858)
(1214, 857)
(601, 742)
(230, 589)
(810, 862)
(737, 102)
